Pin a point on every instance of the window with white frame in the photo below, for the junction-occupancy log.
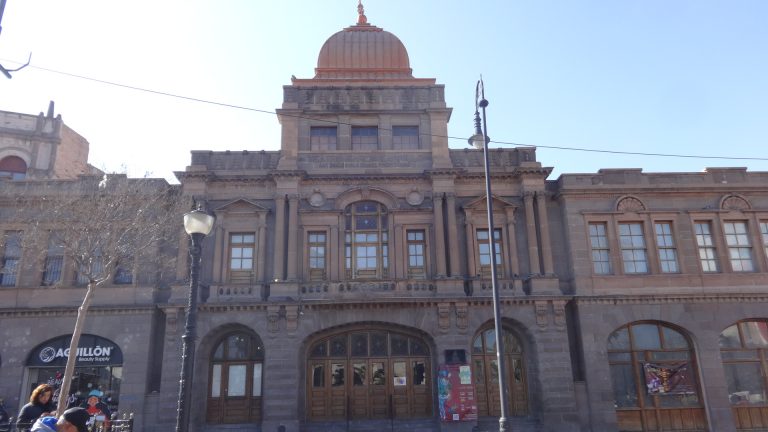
(416, 241)
(764, 231)
(633, 252)
(739, 247)
(665, 243)
(484, 252)
(706, 245)
(11, 257)
(241, 252)
(366, 248)
(316, 242)
(601, 254)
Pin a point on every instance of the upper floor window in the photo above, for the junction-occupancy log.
(601, 259)
(633, 253)
(665, 243)
(13, 167)
(764, 231)
(366, 245)
(739, 248)
(316, 242)
(124, 271)
(484, 251)
(322, 138)
(416, 241)
(11, 257)
(706, 245)
(241, 252)
(405, 137)
(365, 138)
(95, 271)
(54, 260)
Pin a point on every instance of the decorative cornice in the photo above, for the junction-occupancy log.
(66, 312)
(673, 298)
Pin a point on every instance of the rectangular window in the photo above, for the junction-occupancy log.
(484, 251)
(124, 271)
(601, 254)
(322, 138)
(11, 257)
(405, 137)
(316, 242)
(706, 245)
(764, 231)
(665, 243)
(739, 248)
(633, 253)
(241, 252)
(365, 138)
(96, 271)
(416, 243)
(54, 261)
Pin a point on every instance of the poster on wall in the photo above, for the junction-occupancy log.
(456, 393)
(669, 379)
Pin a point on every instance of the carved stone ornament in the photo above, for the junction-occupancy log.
(443, 315)
(316, 199)
(735, 202)
(273, 318)
(542, 314)
(291, 317)
(630, 204)
(462, 315)
(414, 197)
(559, 307)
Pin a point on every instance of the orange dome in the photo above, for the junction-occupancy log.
(363, 51)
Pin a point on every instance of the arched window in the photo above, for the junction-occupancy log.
(236, 372)
(654, 374)
(486, 372)
(744, 350)
(366, 241)
(13, 167)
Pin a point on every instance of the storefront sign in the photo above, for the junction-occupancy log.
(456, 393)
(92, 350)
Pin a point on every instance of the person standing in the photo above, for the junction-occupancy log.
(40, 404)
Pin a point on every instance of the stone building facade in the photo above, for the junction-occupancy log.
(348, 274)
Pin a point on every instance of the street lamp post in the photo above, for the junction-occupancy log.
(197, 224)
(480, 140)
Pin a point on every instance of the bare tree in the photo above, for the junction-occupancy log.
(100, 225)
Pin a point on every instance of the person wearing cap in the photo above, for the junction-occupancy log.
(44, 424)
(73, 420)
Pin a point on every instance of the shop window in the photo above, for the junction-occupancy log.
(484, 252)
(11, 257)
(601, 253)
(633, 251)
(665, 243)
(13, 168)
(706, 246)
(322, 138)
(236, 380)
(54, 261)
(653, 372)
(405, 137)
(365, 138)
(241, 252)
(366, 241)
(416, 243)
(739, 247)
(316, 240)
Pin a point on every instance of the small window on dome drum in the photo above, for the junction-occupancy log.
(322, 138)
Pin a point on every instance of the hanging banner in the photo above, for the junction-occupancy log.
(671, 379)
(91, 351)
(456, 393)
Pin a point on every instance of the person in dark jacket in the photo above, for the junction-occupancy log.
(40, 404)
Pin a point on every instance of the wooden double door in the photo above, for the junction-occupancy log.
(370, 387)
(485, 370)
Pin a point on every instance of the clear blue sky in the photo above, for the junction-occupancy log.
(660, 76)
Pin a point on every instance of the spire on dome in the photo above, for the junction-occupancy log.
(361, 18)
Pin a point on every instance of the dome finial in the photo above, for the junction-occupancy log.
(361, 19)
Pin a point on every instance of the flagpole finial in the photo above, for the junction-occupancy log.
(361, 18)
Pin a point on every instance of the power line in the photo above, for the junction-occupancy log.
(336, 122)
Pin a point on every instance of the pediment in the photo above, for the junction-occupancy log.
(240, 206)
(479, 203)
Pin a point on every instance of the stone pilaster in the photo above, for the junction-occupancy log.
(530, 225)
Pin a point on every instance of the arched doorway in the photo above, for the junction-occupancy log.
(744, 350)
(486, 372)
(235, 377)
(655, 379)
(369, 372)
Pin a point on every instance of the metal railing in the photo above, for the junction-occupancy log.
(122, 423)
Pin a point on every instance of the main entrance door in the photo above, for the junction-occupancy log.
(369, 373)
(486, 372)
(234, 393)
